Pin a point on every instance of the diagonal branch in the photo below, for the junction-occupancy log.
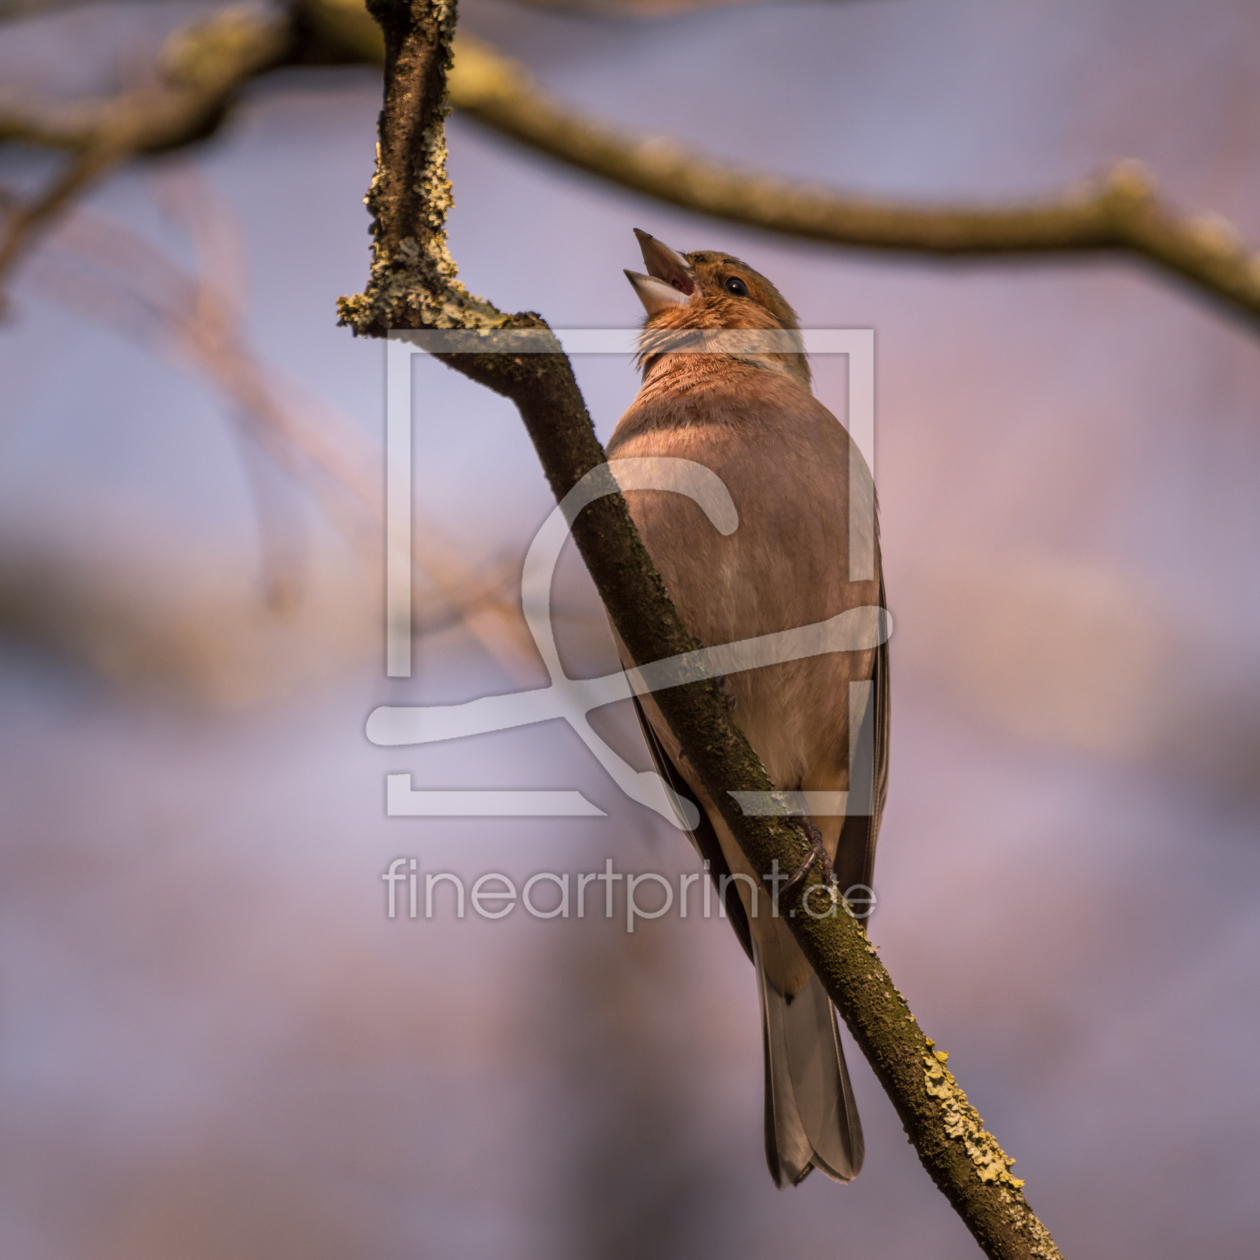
(412, 285)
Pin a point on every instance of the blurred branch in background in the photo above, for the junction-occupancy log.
(643, 8)
(203, 66)
(199, 71)
(16, 9)
(1118, 211)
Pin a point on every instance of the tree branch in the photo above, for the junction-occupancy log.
(1119, 211)
(412, 285)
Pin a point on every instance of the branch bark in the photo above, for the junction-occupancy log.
(412, 285)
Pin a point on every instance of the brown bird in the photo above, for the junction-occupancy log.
(752, 419)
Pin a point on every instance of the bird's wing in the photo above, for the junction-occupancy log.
(703, 837)
(855, 851)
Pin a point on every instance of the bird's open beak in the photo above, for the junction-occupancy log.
(670, 280)
(666, 264)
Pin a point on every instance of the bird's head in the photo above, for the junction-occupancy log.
(711, 291)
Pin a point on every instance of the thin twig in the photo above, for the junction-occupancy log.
(412, 284)
(200, 70)
(26, 220)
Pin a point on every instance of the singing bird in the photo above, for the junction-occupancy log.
(752, 419)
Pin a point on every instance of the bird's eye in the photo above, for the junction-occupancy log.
(736, 286)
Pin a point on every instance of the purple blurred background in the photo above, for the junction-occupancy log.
(214, 1042)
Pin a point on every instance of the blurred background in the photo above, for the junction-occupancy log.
(216, 1044)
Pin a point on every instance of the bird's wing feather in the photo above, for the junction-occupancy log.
(855, 851)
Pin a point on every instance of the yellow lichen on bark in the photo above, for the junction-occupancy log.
(963, 1123)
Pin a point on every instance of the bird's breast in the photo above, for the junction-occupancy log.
(786, 466)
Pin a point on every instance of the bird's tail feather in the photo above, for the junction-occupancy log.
(811, 1118)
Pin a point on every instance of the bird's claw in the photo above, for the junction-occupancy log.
(817, 853)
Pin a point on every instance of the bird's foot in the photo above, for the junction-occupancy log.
(817, 853)
(728, 692)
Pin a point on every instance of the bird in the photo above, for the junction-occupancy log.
(752, 418)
